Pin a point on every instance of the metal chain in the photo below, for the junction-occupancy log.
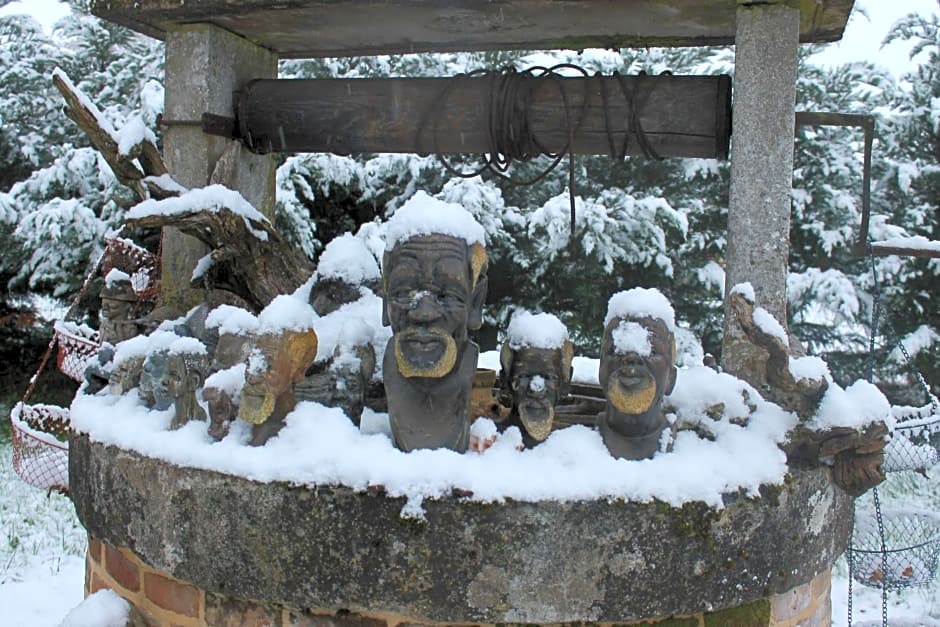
(884, 559)
(850, 558)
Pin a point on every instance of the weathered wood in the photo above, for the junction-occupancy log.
(255, 269)
(681, 116)
(124, 166)
(323, 28)
(798, 395)
(882, 250)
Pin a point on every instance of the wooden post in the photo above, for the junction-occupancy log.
(204, 66)
(761, 172)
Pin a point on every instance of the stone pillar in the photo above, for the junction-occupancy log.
(204, 66)
(766, 46)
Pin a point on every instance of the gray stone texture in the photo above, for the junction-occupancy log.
(548, 562)
(205, 65)
(761, 170)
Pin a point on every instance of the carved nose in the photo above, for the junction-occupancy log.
(424, 310)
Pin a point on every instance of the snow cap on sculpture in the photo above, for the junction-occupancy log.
(640, 302)
(347, 258)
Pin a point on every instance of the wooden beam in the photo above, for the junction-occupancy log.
(679, 116)
(325, 28)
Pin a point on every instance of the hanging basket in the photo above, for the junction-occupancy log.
(39, 457)
(78, 348)
(139, 263)
(911, 549)
(915, 444)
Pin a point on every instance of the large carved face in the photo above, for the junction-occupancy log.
(431, 300)
(538, 377)
(637, 365)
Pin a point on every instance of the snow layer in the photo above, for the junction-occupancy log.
(116, 276)
(347, 258)
(287, 312)
(746, 290)
(158, 341)
(320, 446)
(214, 198)
(769, 325)
(641, 302)
(101, 609)
(916, 242)
(809, 367)
(542, 330)
(631, 337)
(857, 406)
(426, 215)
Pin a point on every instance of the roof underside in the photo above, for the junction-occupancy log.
(319, 28)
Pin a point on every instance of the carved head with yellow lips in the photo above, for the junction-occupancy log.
(434, 279)
(637, 368)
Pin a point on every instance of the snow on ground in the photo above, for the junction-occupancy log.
(42, 549)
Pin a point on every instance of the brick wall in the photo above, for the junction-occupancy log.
(163, 601)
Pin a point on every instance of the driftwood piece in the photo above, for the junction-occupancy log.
(257, 269)
(856, 455)
(125, 166)
(798, 395)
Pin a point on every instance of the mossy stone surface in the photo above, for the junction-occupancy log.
(546, 563)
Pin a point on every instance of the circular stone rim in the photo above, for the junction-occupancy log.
(331, 547)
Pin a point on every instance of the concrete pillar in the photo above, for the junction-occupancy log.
(761, 169)
(204, 66)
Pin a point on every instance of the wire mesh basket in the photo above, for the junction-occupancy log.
(139, 263)
(39, 457)
(78, 348)
(915, 443)
(908, 556)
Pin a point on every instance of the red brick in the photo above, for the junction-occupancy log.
(222, 611)
(123, 570)
(96, 584)
(172, 595)
(94, 549)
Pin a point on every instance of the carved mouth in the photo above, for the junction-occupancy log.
(425, 352)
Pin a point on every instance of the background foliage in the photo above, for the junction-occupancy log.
(639, 222)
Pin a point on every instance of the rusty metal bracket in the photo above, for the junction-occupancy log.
(867, 124)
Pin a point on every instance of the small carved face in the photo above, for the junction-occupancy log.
(115, 309)
(163, 378)
(275, 364)
(267, 377)
(430, 302)
(636, 378)
(330, 294)
(536, 383)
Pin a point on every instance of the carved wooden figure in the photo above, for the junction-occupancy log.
(172, 379)
(534, 380)
(637, 368)
(435, 285)
(276, 363)
(118, 302)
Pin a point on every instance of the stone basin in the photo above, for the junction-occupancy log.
(338, 550)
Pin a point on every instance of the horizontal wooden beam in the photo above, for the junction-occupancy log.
(668, 116)
(324, 28)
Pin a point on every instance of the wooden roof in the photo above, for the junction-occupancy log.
(317, 28)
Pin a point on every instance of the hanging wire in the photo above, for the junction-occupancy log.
(509, 129)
